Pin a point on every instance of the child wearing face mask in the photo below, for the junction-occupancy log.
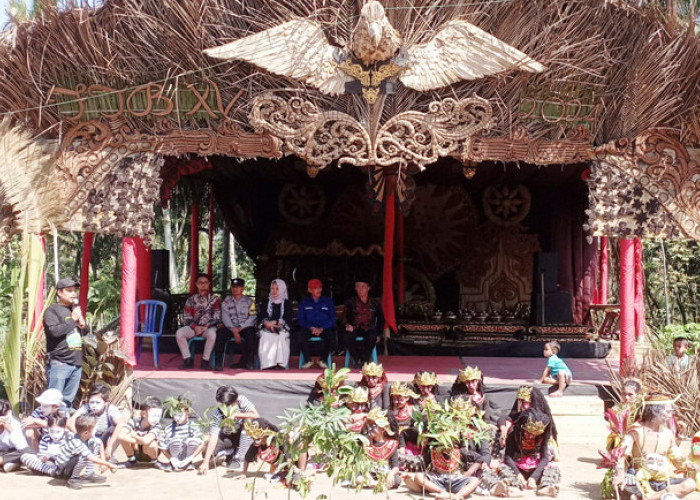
(68, 456)
(110, 420)
(180, 441)
(35, 425)
(140, 436)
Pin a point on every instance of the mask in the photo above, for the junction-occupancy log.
(96, 405)
(154, 415)
(46, 410)
(180, 418)
(56, 433)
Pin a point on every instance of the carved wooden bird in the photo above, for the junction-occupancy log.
(299, 49)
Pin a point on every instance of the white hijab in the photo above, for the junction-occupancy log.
(281, 292)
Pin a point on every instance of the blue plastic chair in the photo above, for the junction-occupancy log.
(212, 359)
(302, 361)
(150, 316)
(347, 354)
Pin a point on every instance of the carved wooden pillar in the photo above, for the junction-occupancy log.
(88, 239)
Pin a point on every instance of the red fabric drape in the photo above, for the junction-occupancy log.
(143, 266)
(627, 321)
(194, 247)
(128, 303)
(399, 243)
(39, 306)
(387, 281)
(604, 270)
(88, 240)
(211, 238)
(638, 289)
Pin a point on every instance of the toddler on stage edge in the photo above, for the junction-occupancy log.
(556, 373)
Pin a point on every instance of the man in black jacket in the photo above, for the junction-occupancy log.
(363, 322)
(63, 324)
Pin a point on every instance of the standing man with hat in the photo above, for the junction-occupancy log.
(316, 318)
(239, 316)
(64, 324)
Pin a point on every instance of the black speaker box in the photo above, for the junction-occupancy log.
(545, 270)
(557, 308)
(160, 269)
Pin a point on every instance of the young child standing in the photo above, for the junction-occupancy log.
(140, 436)
(556, 373)
(679, 361)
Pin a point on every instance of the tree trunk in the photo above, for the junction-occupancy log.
(225, 264)
(232, 255)
(172, 261)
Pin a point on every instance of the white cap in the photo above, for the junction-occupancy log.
(50, 397)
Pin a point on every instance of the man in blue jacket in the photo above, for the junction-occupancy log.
(316, 318)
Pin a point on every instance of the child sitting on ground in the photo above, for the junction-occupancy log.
(263, 448)
(55, 437)
(35, 425)
(679, 361)
(556, 373)
(180, 441)
(76, 457)
(12, 441)
(110, 420)
(140, 436)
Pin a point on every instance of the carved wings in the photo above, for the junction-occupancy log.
(297, 49)
(461, 51)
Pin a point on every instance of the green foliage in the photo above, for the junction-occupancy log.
(105, 363)
(448, 425)
(104, 300)
(607, 490)
(663, 339)
(177, 404)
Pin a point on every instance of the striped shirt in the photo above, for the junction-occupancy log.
(105, 420)
(242, 405)
(180, 432)
(50, 448)
(74, 446)
(136, 425)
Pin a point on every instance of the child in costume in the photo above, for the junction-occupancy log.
(375, 381)
(358, 404)
(383, 446)
(527, 397)
(181, 440)
(35, 425)
(263, 448)
(50, 446)
(140, 436)
(426, 384)
(470, 383)
(526, 463)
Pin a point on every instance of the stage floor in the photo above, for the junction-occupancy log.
(497, 371)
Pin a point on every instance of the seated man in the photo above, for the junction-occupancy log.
(363, 320)
(202, 313)
(652, 452)
(316, 318)
(238, 316)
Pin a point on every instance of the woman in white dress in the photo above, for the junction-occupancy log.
(273, 349)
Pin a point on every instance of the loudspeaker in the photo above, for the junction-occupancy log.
(160, 269)
(557, 308)
(545, 271)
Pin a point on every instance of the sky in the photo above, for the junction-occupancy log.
(4, 5)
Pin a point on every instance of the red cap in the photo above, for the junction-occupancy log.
(315, 283)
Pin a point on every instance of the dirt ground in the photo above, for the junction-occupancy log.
(580, 480)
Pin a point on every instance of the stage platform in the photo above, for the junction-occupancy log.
(274, 390)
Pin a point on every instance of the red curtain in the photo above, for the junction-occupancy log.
(388, 282)
(194, 247)
(627, 313)
(638, 289)
(604, 270)
(143, 265)
(88, 240)
(128, 302)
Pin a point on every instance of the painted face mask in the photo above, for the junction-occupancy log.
(56, 433)
(154, 415)
(180, 417)
(656, 462)
(96, 405)
(46, 410)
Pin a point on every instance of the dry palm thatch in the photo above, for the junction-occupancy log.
(642, 65)
(658, 377)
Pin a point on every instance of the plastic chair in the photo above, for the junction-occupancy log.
(212, 359)
(347, 353)
(302, 361)
(150, 316)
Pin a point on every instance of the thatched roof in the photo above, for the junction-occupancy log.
(641, 66)
(613, 71)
